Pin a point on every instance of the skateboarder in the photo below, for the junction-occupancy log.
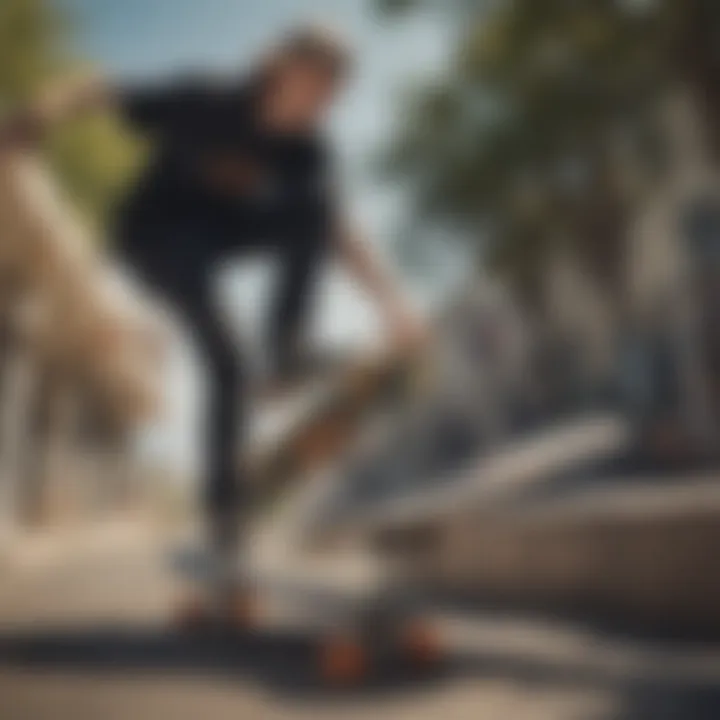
(238, 167)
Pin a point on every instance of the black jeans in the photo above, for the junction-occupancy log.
(178, 263)
(190, 295)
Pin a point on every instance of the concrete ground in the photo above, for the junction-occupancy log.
(85, 633)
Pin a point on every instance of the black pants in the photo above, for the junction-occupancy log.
(180, 266)
(190, 295)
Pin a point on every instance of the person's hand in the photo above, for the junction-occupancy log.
(70, 95)
(407, 331)
(26, 127)
(21, 129)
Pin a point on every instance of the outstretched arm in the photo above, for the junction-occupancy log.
(61, 101)
(147, 108)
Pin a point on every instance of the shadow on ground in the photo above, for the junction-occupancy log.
(285, 665)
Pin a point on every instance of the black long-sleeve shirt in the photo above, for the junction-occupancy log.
(219, 183)
(201, 129)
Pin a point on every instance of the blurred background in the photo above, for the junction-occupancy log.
(544, 175)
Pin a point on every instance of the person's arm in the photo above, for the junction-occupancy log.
(363, 263)
(59, 102)
(146, 108)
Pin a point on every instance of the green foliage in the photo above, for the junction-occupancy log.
(93, 157)
(96, 160)
(544, 133)
(30, 39)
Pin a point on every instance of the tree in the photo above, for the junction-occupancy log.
(545, 130)
(93, 157)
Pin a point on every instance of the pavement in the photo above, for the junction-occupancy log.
(85, 633)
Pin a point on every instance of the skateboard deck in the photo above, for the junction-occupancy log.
(440, 385)
(334, 411)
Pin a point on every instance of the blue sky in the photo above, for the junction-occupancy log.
(139, 40)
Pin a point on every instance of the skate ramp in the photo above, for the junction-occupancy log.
(644, 556)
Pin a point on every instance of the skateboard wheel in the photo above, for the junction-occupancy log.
(243, 610)
(193, 615)
(420, 643)
(343, 661)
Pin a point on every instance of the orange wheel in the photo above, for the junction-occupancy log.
(343, 661)
(192, 615)
(421, 643)
(243, 610)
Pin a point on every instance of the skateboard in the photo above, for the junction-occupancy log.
(352, 633)
(432, 405)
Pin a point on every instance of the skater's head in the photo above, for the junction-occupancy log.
(302, 76)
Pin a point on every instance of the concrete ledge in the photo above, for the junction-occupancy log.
(646, 556)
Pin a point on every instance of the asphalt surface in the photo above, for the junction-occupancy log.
(86, 632)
